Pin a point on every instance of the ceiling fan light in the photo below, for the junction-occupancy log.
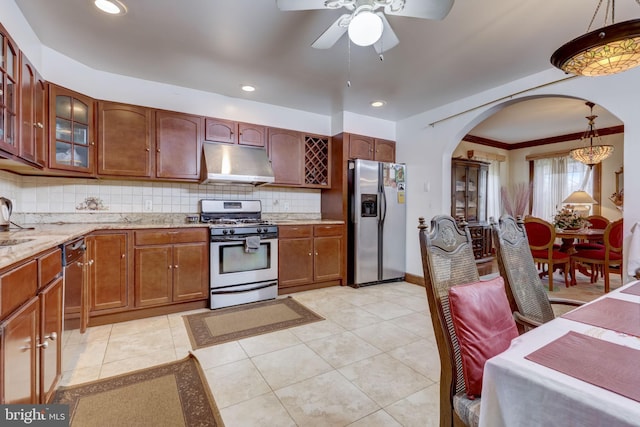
(365, 28)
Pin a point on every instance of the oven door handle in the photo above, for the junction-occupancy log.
(268, 285)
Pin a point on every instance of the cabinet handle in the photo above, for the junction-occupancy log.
(316, 253)
(158, 150)
(309, 253)
(43, 345)
(123, 255)
(40, 125)
(52, 337)
(80, 264)
(175, 266)
(147, 149)
(90, 262)
(93, 143)
(170, 266)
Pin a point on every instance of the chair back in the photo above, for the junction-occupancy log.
(613, 238)
(598, 221)
(540, 234)
(447, 260)
(515, 262)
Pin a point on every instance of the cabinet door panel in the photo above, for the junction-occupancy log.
(27, 92)
(218, 130)
(19, 334)
(190, 272)
(178, 145)
(153, 275)
(296, 262)
(108, 272)
(249, 134)
(328, 258)
(124, 140)
(40, 117)
(361, 147)
(385, 151)
(286, 152)
(51, 355)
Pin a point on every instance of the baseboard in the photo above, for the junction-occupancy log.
(413, 279)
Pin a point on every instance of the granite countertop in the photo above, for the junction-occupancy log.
(37, 237)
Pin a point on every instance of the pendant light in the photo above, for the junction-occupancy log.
(591, 154)
(611, 49)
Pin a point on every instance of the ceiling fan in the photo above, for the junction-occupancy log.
(365, 23)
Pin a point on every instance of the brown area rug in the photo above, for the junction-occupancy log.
(172, 394)
(247, 320)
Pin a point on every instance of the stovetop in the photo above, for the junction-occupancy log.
(237, 218)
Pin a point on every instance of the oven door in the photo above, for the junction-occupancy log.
(232, 265)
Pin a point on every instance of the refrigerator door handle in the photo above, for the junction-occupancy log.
(383, 204)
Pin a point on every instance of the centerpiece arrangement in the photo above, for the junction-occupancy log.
(567, 219)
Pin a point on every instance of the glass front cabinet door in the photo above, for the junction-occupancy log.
(72, 131)
(8, 92)
(469, 192)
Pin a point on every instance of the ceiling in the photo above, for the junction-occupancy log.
(216, 46)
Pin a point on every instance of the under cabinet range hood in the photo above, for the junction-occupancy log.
(236, 164)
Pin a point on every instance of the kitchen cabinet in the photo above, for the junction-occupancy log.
(369, 148)
(469, 202)
(30, 344)
(178, 145)
(125, 140)
(310, 256)
(317, 161)
(32, 146)
(8, 93)
(107, 270)
(71, 127)
(230, 132)
(286, 151)
(171, 266)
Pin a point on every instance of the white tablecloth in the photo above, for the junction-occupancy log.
(519, 393)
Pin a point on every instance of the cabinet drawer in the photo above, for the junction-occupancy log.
(17, 286)
(327, 230)
(295, 231)
(50, 267)
(171, 235)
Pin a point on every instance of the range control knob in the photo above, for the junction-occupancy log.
(232, 231)
(225, 231)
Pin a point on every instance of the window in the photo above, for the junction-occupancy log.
(554, 178)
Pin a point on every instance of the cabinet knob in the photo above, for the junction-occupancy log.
(147, 149)
(40, 125)
(43, 345)
(316, 253)
(53, 336)
(158, 150)
(170, 266)
(93, 143)
(309, 253)
(90, 262)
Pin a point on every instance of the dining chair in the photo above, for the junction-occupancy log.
(597, 222)
(447, 260)
(530, 303)
(541, 236)
(609, 256)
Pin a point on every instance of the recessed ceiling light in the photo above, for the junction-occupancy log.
(378, 104)
(248, 88)
(112, 7)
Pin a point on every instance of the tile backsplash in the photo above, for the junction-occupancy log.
(36, 194)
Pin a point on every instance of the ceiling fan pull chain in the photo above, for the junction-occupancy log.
(349, 63)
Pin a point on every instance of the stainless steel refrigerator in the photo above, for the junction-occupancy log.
(377, 223)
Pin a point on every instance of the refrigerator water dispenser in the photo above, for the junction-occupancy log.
(369, 205)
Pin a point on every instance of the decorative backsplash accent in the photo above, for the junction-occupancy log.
(92, 204)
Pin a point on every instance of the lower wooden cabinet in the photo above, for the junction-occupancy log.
(107, 271)
(31, 336)
(309, 256)
(171, 266)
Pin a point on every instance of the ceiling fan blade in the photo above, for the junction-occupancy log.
(388, 38)
(332, 34)
(425, 9)
(300, 4)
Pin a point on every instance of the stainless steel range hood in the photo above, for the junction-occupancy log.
(236, 164)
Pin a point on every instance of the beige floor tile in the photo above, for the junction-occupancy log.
(413, 303)
(326, 400)
(267, 343)
(80, 356)
(417, 323)
(316, 330)
(132, 327)
(386, 336)
(343, 349)
(352, 317)
(220, 354)
(387, 310)
(359, 298)
(262, 411)
(421, 409)
(384, 379)
(80, 375)
(95, 333)
(290, 365)
(139, 344)
(235, 382)
(139, 362)
(421, 356)
(377, 419)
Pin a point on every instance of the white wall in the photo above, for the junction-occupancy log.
(426, 141)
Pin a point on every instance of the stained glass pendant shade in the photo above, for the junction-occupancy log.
(591, 154)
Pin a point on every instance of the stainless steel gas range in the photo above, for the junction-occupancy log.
(244, 252)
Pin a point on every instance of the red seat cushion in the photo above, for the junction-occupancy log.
(557, 255)
(589, 246)
(484, 325)
(598, 255)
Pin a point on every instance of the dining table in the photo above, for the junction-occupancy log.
(569, 239)
(580, 369)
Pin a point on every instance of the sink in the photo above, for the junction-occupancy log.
(12, 242)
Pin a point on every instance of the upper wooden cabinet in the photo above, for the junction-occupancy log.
(125, 140)
(286, 152)
(230, 132)
(178, 145)
(71, 138)
(33, 114)
(369, 148)
(317, 161)
(8, 93)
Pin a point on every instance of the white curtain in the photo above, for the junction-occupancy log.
(493, 190)
(553, 180)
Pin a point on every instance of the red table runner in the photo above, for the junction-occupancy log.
(602, 363)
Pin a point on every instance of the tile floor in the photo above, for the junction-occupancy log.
(372, 362)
